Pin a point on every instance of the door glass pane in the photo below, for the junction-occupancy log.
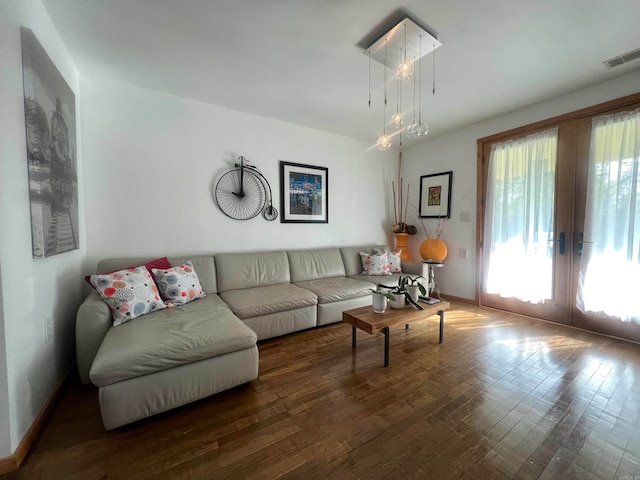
(609, 266)
(518, 235)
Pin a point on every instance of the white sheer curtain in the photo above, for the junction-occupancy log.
(519, 217)
(609, 266)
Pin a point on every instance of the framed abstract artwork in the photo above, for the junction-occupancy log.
(435, 195)
(304, 193)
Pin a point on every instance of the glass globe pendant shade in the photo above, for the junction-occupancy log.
(384, 142)
(404, 70)
(419, 129)
(396, 119)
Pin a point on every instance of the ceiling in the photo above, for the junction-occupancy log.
(299, 61)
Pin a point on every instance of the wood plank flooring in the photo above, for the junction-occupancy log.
(504, 397)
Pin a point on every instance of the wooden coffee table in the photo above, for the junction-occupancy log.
(366, 320)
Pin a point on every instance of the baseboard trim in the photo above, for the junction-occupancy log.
(12, 463)
(8, 464)
(470, 301)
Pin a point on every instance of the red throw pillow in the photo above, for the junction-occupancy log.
(161, 263)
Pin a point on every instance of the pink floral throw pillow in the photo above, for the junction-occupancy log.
(375, 263)
(395, 265)
(129, 293)
(179, 284)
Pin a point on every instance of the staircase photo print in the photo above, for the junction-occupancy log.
(50, 117)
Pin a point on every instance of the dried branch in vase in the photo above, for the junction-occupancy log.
(429, 231)
(400, 210)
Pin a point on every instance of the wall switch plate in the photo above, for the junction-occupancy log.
(463, 253)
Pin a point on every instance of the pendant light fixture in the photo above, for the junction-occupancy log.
(397, 42)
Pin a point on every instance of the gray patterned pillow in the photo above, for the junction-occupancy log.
(178, 284)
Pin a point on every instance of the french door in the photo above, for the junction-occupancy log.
(526, 243)
(531, 219)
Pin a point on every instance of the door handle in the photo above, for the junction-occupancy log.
(561, 243)
(581, 243)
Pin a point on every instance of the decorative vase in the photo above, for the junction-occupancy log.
(433, 249)
(378, 302)
(413, 291)
(402, 244)
(398, 302)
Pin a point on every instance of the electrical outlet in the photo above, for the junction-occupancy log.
(463, 253)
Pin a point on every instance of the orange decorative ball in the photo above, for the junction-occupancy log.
(433, 249)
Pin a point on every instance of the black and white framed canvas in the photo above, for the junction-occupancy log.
(50, 118)
(304, 193)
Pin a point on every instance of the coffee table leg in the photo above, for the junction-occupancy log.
(385, 330)
(441, 313)
(353, 336)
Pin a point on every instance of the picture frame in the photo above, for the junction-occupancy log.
(304, 193)
(435, 195)
(50, 124)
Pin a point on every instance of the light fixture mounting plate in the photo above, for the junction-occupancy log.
(394, 39)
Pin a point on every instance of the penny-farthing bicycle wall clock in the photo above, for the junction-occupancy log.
(244, 193)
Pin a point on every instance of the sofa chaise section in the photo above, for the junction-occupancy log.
(164, 359)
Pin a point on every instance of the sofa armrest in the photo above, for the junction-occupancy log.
(416, 268)
(93, 321)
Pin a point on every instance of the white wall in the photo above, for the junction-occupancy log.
(33, 290)
(457, 152)
(151, 160)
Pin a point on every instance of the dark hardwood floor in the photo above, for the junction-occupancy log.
(502, 397)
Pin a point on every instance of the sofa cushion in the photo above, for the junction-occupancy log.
(246, 270)
(336, 289)
(312, 264)
(251, 302)
(201, 329)
(351, 257)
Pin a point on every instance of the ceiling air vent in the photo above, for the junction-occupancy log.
(624, 58)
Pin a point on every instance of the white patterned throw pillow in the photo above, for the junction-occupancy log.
(395, 263)
(129, 293)
(375, 263)
(179, 284)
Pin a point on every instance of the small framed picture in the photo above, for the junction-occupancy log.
(304, 193)
(435, 195)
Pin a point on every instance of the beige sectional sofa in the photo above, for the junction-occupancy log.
(174, 356)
